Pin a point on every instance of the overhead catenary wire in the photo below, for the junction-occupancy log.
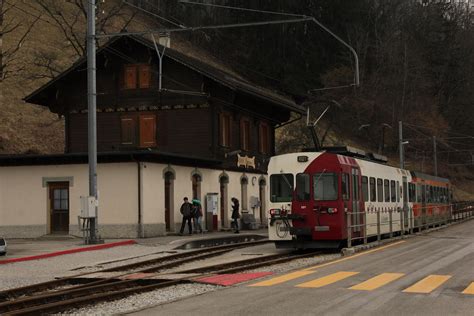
(153, 14)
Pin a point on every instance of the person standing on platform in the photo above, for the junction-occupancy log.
(186, 209)
(235, 214)
(197, 213)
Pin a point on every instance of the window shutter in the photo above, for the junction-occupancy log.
(245, 134)
(128, 130)
(224, 129)
(264, 138)
(147, 130)
(130, 77)
(145, 76)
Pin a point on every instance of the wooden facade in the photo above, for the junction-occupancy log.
(201, 111)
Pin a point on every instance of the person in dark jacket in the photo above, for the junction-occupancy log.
(197, 215)
(235, 214)
(186, 210)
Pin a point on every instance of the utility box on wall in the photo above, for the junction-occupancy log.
(212, 200)
(88, 206)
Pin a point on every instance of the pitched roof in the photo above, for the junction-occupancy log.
(214, 71)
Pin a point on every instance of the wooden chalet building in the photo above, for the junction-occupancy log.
(207, 131)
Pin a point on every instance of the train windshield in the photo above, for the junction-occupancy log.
(325, 186)
(281, 187)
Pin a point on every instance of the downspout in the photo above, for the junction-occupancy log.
(141, 230)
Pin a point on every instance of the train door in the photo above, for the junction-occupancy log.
(355, 198)
(405, 201)
(423, 203)
(303, 203)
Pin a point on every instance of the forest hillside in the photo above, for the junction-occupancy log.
(416, 66)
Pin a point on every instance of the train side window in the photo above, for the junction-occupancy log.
(386, 190)
(429, 193)
(419, 193)
(393, 191)
(411, 192)
(379, 190)
(365, 189)
(302, 187)
(398, 191)
(345, 186)
(373, 190)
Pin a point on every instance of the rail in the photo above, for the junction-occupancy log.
(402, 220)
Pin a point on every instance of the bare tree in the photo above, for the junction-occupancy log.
(8, 64)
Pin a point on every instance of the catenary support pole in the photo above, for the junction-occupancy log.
(400, 142)
(91, 115)
(435, 157)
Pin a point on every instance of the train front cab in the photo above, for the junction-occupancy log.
(323, 193)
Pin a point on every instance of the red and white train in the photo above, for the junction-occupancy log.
(311, 194)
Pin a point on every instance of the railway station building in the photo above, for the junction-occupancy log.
(206, 132)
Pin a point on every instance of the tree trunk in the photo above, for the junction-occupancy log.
(1, 40)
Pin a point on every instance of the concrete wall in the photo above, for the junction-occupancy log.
(123, 212)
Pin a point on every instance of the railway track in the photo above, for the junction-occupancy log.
(52, 297)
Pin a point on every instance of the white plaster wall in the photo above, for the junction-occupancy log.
(24, 200)
(153, 192)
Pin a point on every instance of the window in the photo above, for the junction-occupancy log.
(380, 190)
(386, 190)
(411, 192)
(137, 76)
(419, 193)
(264, 138)
(302, 187)
(365, 189)
(61, 199)
(373, 191)
(393, 191)
(398, 191)
(147, 130)
(281, 187)
(128, 130)
(245, 134)
(325, 186)
(225, 121)
(345, 186)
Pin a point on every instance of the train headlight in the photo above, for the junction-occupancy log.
(274, 212)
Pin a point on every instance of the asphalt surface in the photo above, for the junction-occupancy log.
(425, 275)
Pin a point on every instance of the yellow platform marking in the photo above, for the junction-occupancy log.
(329, 279)
(378, 281)
(304, 272)
(355, 256)
(428, 284)
(283, 278)
(469, 289)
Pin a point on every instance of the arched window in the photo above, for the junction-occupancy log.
(244, 181)
(196, 183)
(223, 181)
(169, 198)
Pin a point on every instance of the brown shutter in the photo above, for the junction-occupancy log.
(245, 134)
(130, 77)
(147, 130)
(145, 76)
(128, 130)
(264, 138)
(224, 129)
